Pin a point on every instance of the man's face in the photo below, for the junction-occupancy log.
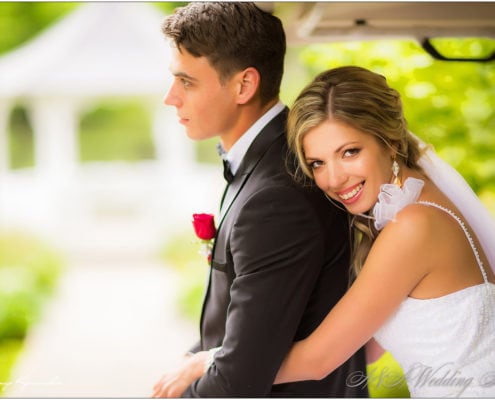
(205, 106)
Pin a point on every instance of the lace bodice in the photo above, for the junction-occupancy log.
(445, 345)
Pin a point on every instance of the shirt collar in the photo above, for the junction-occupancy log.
(237, 152)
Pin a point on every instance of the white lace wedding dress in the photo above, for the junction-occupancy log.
(445, 345)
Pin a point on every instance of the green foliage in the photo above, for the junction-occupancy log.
(21, 140)
(21, 21)
(29, 271)
(206, 151)
(464, 47)
(9, 351)
(169, 7)
(116, 130)
(182, 253)
(26, 253)
(19, 300)
(28, 274)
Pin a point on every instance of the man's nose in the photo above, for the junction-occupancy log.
(171, 98)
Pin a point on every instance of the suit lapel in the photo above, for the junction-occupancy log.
(274, 129)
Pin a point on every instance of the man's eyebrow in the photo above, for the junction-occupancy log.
(184, 75)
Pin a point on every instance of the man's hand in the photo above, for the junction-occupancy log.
(174, 383)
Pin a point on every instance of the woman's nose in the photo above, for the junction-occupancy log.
(336, 177)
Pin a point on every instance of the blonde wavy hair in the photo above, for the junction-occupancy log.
(363, 100)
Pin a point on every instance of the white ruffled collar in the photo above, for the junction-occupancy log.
(393, 198)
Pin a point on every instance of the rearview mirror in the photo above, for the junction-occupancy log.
(460, 49)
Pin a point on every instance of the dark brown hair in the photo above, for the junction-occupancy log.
(232, 36)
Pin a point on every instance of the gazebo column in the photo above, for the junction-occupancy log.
(55, 139)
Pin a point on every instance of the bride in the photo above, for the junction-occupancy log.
(424, 288)
(424, 245)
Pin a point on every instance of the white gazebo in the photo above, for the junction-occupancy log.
(99, 51)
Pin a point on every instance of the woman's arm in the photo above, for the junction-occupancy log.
(397, 262)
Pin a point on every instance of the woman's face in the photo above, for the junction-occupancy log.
(347, 164)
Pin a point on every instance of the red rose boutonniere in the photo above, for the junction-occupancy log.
(204, 226)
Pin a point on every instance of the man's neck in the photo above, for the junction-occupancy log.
(248, 116)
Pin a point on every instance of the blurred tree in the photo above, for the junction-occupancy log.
(169, 7)
(21, 21)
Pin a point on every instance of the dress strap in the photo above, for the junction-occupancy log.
(470, 239)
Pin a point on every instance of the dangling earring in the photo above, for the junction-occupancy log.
(395, 170)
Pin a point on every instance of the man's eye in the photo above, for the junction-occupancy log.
(185, 82)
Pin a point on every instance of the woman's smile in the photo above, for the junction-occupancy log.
(351, 195)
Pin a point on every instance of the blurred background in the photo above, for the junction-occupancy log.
(100, 278)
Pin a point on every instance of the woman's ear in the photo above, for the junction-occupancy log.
(248, 84)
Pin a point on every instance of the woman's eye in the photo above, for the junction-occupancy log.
(351, 152)
(315, 164)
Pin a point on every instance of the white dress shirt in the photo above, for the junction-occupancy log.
(237, 152)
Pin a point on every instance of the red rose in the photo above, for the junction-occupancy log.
(204, 226)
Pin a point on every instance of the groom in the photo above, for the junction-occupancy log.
(280, 260)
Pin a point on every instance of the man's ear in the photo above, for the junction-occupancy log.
(248, 83)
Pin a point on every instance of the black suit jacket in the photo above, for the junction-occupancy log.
(280, 262)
